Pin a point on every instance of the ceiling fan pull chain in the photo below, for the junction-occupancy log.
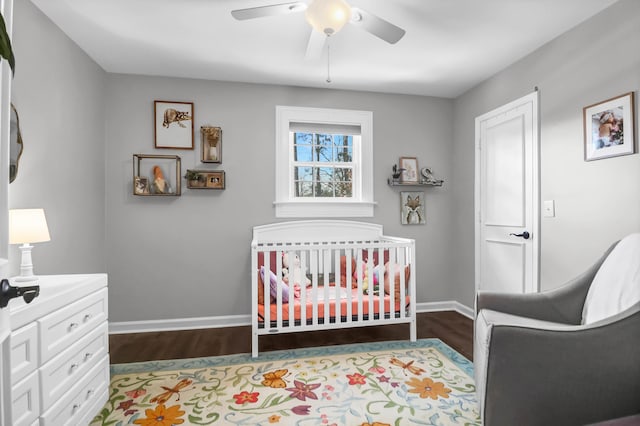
(328, 59)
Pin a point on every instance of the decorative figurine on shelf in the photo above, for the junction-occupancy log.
(397, 172)
(427, 177)
(160, 185)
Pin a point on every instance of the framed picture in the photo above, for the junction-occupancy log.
(173, 124)
(211, 144)
(410, 172)
(215, 180)
(412, 208)
(140, 185)
(609, 128)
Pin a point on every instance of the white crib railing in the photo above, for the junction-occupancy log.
(336, 296)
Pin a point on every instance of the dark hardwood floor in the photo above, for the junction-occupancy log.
(454, 329)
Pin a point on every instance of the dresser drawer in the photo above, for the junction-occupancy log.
(24, 351)
(80, 402)
(59, 374)
(25, 401)
(60, 329)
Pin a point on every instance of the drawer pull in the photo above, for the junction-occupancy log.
(89, 393)
(87, 356)
(72, 326)
(73, 367)
(75, 408)
(87, 317)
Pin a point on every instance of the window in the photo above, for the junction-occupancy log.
(323, 163)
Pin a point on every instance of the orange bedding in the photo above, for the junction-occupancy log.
(332, 303)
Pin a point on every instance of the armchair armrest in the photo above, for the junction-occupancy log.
(593, 367)
(561, 305)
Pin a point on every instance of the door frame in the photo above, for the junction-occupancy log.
(533, 99)
(6, 6)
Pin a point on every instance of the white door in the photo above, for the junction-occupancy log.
(506, 197)
(5, 114)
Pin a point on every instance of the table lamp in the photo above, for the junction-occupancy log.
(27, 226)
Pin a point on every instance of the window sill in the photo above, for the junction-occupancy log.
(322, 208)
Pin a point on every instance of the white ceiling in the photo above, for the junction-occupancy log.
(449, 46)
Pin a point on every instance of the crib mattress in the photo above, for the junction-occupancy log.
(332, 303)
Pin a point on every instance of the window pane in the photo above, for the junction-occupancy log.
(324, 190)
(303, 138)
(303, 189)
(343, 145)
(324, 174)
(343, 189)
(323, 148)
(303, 173)
(343, 174)
(302, 153)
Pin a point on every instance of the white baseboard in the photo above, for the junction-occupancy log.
(127, 327)
(447, 305)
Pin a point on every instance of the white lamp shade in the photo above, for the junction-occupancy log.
(28, 226)
(328, 16)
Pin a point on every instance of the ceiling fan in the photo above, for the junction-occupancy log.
(327, 17)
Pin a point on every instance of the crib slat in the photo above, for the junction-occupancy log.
(338, 284)
(314, 286)
(265, 287)
(304, 258)
(349, 254)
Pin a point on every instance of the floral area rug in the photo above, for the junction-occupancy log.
(373, 384)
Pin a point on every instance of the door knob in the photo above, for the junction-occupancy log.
(8, 292)
(524, 235)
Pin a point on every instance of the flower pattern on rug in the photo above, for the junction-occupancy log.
(428, 385)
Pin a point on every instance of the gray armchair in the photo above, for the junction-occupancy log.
(540, 360)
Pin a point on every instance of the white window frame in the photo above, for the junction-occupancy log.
(361, 204)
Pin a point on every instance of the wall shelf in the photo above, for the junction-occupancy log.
(394, 182)
(145, 175)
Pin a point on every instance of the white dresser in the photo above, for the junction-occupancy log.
(59, 352)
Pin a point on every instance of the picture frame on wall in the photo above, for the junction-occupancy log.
(410, 171)
(609, 129)
(412, 208)
(211, 151)
(173, 125)
(215, 180)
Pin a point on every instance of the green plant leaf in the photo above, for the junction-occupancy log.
(5, 46)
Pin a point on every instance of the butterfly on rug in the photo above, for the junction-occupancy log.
(387, 383)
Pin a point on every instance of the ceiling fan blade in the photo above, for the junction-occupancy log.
(271, 10)
(316, 43)
(376, 25)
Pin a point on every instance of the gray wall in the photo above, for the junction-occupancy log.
(596, 202)
(188, 256)
(58, 92)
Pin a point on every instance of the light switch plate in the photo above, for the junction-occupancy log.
(549, 208)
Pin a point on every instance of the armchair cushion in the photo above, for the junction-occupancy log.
(616, 286)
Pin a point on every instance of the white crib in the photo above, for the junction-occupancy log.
(333, 286)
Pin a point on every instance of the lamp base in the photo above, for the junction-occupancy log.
(26, 265)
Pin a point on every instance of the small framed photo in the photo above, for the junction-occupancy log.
(410, 172)
(173, 123)
(609, 128)
(412, 208)
(211, 144)
(140, 185)
(215, 180)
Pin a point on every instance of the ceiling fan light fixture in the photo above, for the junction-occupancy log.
(328, 16)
